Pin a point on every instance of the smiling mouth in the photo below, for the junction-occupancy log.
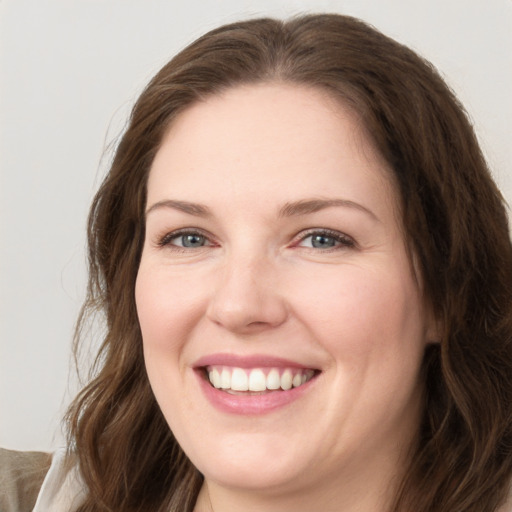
(252, 381)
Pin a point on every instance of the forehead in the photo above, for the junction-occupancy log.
(259, 138)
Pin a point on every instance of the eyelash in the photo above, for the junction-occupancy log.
(166, 240)
(344, 241)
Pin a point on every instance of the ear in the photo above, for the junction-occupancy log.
(434, 327)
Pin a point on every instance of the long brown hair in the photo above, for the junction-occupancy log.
(455, 224)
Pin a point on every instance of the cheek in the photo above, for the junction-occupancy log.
(371, 324)
(360, 312)
(167, 309)
(167, 312)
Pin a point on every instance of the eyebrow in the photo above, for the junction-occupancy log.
(291, 209)
(199, 210)
(305, 206)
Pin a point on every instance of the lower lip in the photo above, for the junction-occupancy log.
(250, 404)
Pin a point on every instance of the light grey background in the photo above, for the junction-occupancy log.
(69, 72)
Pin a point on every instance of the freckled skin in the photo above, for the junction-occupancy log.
(259, 283)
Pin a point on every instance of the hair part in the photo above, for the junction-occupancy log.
(454, 221)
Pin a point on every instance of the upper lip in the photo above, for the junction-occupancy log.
(251, 361)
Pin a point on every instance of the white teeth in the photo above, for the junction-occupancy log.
(273, 379)
(225, 379)
(215, 378)
(286, 380)
(239, 380)
(297, 380)
(255, 380)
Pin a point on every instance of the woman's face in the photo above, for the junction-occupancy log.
(274, 258)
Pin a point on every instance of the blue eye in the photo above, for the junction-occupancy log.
(185, 240)
(326, 240)
(191, 240)
(322, 241)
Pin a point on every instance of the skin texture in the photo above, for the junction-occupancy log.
(257, 285)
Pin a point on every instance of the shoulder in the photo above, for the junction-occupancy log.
(21, 477)
(507, 507)
(63, 489)
(39, 482)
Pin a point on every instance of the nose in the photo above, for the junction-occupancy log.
(246, 298)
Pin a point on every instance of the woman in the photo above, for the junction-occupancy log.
(306, 275)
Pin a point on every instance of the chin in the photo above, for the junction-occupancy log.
(261, 476)
(251, 464)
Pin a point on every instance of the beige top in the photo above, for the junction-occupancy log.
(21, 477)
(38, 482)
(62, 489)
